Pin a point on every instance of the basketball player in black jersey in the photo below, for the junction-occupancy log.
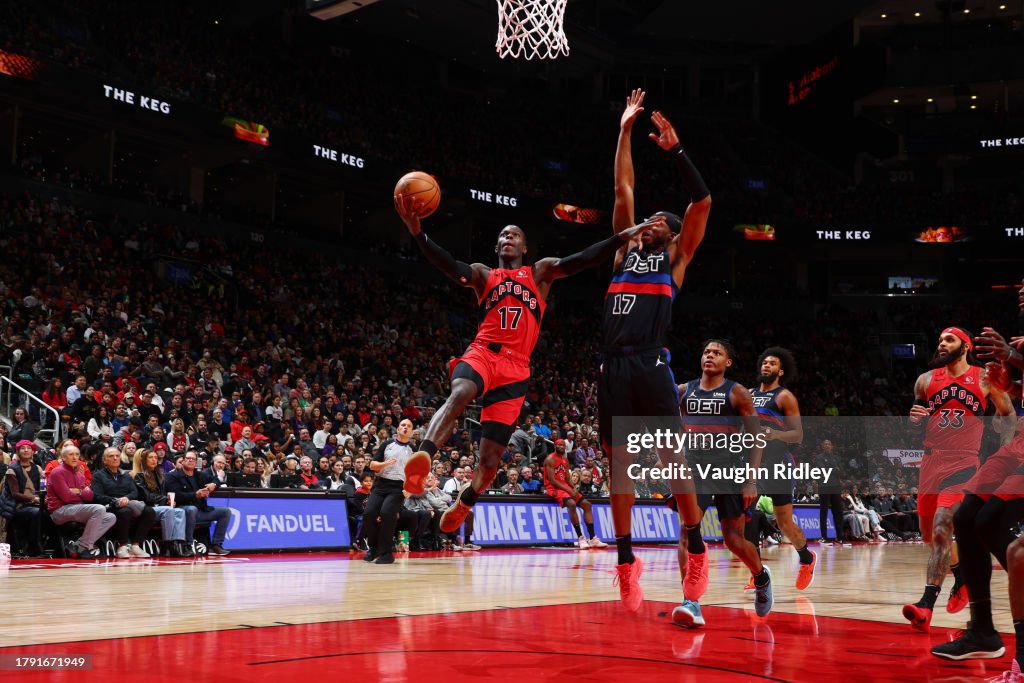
(779, 413)
(711, 406)
(635, 379)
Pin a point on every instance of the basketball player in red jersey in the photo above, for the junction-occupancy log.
(556, 485)
(989, 521)
(953, 397)
(496, 366)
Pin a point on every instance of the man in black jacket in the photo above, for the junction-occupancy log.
(116, 489)
(184, 483)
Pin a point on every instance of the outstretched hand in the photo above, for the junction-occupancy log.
(991, 344)
(666, 136)
(633, 108)
(638, 230)
(408, 209)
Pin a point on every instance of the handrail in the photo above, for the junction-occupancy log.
(58, 425)
(6, 398)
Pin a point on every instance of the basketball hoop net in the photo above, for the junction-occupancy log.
(531, 28)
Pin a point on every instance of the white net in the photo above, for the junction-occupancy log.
(531, 28)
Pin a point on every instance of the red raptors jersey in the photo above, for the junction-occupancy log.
(561, 473)
(512, 310)
(957, 405)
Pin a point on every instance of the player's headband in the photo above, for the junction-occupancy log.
(960, 334)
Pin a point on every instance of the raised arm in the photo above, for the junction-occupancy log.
(622, 215)
(472, 276)
(547, 270)
(695, 220)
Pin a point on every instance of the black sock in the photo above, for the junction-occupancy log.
(958, 579)
(694, 540)
(931, 594)
(590, 529)
(469, 496)
(762, 579)
(1018, 627)
(624, 544)
(576, 528)
(428, 446)
(805, 555)
(981, 616)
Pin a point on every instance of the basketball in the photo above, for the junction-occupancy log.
(424, 187)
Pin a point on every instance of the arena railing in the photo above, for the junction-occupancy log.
(9, 386)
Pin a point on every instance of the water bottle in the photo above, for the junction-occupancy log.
(403, 537)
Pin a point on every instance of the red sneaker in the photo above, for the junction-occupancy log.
(919, 617)
(958, 599)
(805, 578)
(627, 579)
(416, 470)
(454, 516)
(696, 583)
(750, 587)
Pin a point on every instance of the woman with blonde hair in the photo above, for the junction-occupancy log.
(177, 440)
(128, 453)
(174, 521)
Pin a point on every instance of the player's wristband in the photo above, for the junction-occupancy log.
(691, 176)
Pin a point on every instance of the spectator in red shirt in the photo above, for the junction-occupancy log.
(69, 499)
(54, 395)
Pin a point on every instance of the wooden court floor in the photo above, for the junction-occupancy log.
(545, 613)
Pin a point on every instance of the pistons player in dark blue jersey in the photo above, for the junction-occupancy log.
(635, 379)
(779, 414)
(713, 406)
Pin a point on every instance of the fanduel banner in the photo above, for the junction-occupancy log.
(260, 523)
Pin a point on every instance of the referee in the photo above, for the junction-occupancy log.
(828, 494)
(386, 499)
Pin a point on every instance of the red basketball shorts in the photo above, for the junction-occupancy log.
(502, 380)
(1002, 473)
